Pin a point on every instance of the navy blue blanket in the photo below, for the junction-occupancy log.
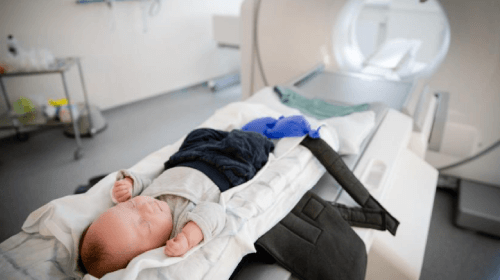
(228, 158)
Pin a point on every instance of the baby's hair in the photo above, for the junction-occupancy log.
(80, 262)
(94, 255)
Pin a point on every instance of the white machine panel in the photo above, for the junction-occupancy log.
(411, 200)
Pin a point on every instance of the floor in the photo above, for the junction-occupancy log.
(457, 253)
(42, 169)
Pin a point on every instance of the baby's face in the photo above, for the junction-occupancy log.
(135, 226)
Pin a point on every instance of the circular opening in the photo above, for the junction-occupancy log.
(394, 39)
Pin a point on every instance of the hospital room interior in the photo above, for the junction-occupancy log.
(406, 92)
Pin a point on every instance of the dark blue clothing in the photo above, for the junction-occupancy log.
(292, 126)
(227, 158)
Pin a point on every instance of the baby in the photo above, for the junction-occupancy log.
(180, 208)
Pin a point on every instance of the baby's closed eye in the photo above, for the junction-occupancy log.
(130, 204)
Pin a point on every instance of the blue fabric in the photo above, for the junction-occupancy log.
(293, 126)
(227, 158)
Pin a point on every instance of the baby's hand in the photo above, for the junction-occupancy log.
(122, 190)
(178, 246)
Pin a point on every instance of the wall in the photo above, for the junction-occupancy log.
(121, 63)
(293, 37)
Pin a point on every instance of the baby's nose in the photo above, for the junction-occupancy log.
(145, 204)
(146, 207)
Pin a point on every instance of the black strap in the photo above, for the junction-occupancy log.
(362, 217)
(334, 164)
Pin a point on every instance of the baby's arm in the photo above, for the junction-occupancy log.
(128, 185)
(190, 236)
(205, 221)
(122, 190)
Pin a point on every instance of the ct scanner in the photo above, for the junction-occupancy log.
(435, 64)
(459, 45)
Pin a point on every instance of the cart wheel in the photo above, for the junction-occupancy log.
(78, 154)
(22, 136)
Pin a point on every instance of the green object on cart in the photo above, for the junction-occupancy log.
(23, 105)
(25, 109)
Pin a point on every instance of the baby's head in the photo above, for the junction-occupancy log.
(123, 232)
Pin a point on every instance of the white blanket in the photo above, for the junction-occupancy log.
(47, 247)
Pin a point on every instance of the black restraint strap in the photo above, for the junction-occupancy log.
(334, 164)
(362, 217)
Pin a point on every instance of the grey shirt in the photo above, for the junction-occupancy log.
(189, 193)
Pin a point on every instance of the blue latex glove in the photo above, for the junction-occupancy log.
(293, 126)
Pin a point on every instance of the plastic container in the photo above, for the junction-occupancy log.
(64, 113)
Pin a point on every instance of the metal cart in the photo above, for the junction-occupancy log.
(12, 120)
